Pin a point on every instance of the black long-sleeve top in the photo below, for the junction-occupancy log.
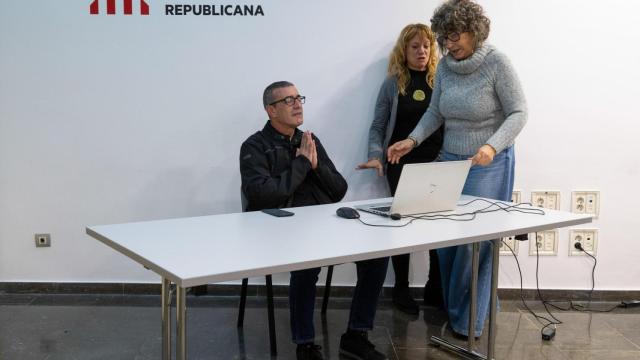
(274, 177)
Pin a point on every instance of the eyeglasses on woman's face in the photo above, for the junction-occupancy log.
(452, 36)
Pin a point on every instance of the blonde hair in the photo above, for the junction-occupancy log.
(398, 60)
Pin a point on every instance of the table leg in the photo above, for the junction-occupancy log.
(494, 299)
(473, 300)
(327, 290)
(181, 323)
(166, 319)
(458, 350)
(272, 321)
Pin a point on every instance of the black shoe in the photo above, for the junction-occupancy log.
(404, 302)
(355, 345)
(309, 351)
(461, 336)
(433, 296)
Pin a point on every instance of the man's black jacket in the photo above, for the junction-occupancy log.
(274, 177)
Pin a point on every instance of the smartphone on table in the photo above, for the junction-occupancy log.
(277, 212)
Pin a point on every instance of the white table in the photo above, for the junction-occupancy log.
(201, 250)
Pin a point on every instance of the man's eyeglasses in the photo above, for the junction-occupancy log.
(290, 100)
(453, 37)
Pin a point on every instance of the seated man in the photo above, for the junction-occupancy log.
(282, 166)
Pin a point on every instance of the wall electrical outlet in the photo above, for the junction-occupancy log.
(43, 240)
(585, 202)
(546, 199)
(516, 196)
(545, 241)
(587, 237)
(513, 244)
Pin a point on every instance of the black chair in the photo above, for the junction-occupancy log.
(269, 284)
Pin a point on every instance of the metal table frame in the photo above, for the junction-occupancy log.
(151, 244)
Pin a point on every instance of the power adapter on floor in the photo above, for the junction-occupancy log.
(548, 333)
(629, 303)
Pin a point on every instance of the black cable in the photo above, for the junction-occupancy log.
(556, 320)
(501, 206)
(385, 225)
(539, 318)
(572, 305)
(495, 206)
(468, 216)
(578, 307)
(507, 206)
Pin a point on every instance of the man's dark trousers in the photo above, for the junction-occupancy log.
(302, 296)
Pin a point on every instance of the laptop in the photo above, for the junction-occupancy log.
(425, 188)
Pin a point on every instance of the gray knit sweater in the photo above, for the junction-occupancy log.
(480, 101)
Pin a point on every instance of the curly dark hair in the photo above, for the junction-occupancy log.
(461, 16)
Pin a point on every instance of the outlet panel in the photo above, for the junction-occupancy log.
(513, 244)
(587, 237)
(516, 196)
(43, 240)
(585, 202)
(546, 199)
(545, 241)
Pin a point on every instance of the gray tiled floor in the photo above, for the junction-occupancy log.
(128, 327)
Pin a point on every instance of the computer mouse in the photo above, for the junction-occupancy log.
(348, 213)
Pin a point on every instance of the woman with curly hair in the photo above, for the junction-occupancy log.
(403, 98)
(478, 98)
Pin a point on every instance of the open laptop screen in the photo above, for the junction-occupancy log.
(425, 188)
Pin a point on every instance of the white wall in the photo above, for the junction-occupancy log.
(107, 119)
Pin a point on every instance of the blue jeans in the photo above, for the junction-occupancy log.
(494, 181)
(302, 298)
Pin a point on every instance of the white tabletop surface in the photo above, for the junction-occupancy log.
(207, 249)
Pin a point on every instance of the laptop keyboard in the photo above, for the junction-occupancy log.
(382, 208)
